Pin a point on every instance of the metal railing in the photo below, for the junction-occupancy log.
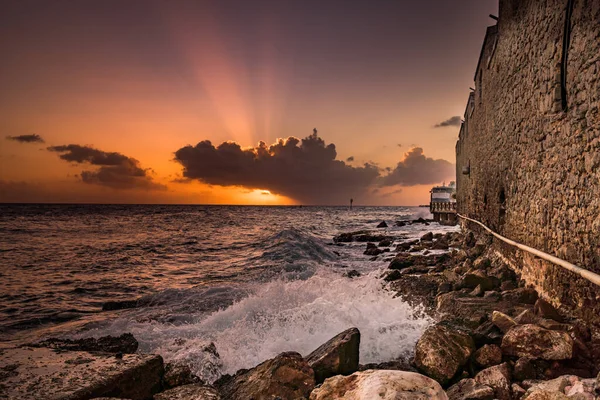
(582, 272)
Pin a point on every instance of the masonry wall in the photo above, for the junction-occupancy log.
(534, 171)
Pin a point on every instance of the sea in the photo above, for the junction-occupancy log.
(252, 281)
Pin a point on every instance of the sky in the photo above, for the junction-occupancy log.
(234, 102)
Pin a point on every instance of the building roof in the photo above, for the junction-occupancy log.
(490, 33)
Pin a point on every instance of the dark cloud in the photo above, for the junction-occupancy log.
(33, 138)
(454, 121)
(305, 170)
(416, 169)
(116, 170)
(350, 159)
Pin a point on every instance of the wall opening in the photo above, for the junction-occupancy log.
(502, 206)
(565, 55)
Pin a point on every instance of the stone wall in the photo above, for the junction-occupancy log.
(527, 166)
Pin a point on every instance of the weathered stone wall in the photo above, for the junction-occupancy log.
(534, 171)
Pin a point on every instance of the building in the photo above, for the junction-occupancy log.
(443, 204)
(528, 154)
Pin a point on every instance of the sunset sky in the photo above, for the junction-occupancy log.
(185, 101)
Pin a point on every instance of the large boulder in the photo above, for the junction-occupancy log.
(498, 378)
(43, 373)
(189, 392)
(442, 351)
(534, 341)
(178, 374)
(287, 376)
(379, 384)
(469, 389)
(337, 356)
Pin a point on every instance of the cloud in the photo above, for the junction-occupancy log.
(417, 169)
(399, 145)
(33, 138)
(116, 170)
(350, 159)
(453, 121)
(305, 170)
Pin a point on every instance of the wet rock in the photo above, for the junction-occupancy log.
(405, 246)
(444, 287)
(189, 392)
(392, 275)
(398, 365)
(440, 244)
(125, 344)
(464, 309)
(337, 356)
(487, 333)
(417, 291)
(428, 237)
(287, 376)
(442, 351)
(400, 223)
(372, 250)
(536, 342)
(379, 384)
(382, 224)
(488, 356)
(359, 236)
(352, 274)
(546, 310)
(502, 321)
(43, 373)
(401, 261)
(498, 378)
(385, 243)
(177, 374)
(468, 389)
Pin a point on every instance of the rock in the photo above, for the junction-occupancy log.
(520, 295)
(382, 224)
(545, 310)
(545, 395)
(487, 333)
(400, 223)
(464, 309)
(442, 351)
(498, 378)
(517, 391)
(189, 392)
(405, 246)
(444, 287)
(428, 237)
(488, 356)
(352, 274)
(398, 365)
(468, 389)
(477, 292)
(502, 321)
(42, 373)
(379, 384)
(401, 262)
(536, 342)
(125, 344)
(526, 317)
(177, 374)
(524, 369)
(385, 243)
(359, 236)
(482, 263)
(469, 240)
(338, 356)
(392, 275)
(479, 278)
(372, 250)
(440, 244)
(507, 285)
(476, 251)
(287, 376)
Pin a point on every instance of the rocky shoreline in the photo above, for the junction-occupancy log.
(494, 338)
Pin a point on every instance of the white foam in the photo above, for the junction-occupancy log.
(282, 316)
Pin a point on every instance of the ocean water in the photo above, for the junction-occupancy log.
(255, 281)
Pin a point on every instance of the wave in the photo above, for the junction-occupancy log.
(284, 315)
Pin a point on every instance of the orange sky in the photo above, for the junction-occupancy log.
(148, 78)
